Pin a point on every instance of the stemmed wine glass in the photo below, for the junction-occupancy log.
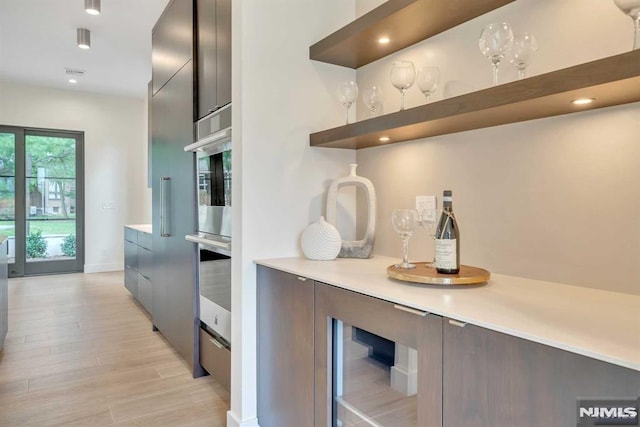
(428, 79)
(347, 94)
(632, 8)
(372, 98)
(430, 225)
(524, 45)
(403, 75)
(404, 223)
(495, 40)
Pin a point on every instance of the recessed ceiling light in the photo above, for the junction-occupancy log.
(84, 38)
(384, 139)
(73, 81)
(92, 7)
(583, 101)
(384, 40)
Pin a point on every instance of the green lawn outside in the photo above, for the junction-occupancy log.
(7, 228)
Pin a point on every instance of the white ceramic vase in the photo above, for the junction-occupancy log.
(321, 241)
(354, 248)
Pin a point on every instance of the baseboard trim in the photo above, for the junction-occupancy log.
(232, 421)
(103, 268)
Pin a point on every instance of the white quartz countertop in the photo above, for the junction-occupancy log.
(145, 228)
(599, 324)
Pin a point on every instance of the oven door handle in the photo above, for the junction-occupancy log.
(223, 135)
(208, 242)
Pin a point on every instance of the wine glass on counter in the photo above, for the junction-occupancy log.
(403, 75)
(430, 225)
(428, 80)
(520, 52)
(632, 9)
(347, 94)
(495, 40)
(404, 222)
(372, 98)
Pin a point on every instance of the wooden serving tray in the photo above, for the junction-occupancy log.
(424, 273)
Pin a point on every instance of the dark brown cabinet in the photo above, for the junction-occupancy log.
(285, 349)
(213, 36)
(321, 355)
(493, 379)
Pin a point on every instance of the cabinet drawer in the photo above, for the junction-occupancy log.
(144, 240)
(216, 359)
(131, 281)
(131, 235)
(145, 293)
(145, 262)
(130, 255)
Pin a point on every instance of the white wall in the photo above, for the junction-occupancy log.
(115, 158)
(279, 97)
(555, 199)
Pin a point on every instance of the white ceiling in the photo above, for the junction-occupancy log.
(38, 41)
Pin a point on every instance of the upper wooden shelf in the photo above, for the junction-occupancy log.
(610, 81)
(404, 22)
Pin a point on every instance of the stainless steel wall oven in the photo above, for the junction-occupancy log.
(214, 184)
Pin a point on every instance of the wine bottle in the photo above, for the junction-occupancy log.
(447, 246)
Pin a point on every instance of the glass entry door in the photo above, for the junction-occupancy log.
(41, 200)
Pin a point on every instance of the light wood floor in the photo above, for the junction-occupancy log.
(81, 352)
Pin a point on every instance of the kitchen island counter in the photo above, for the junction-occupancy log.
(595, 323)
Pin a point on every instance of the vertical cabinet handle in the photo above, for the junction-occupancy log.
(165, 222)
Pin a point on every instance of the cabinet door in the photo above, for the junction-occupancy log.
(174, 264)
(145, 293)
(285, 349)
(131, 281)
(492, 379)
(206, 48)
(223, 52)
(172, 42)
(377, 363)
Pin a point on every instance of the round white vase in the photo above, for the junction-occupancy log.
(321, 241)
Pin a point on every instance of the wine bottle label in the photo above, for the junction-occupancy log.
(446, 255)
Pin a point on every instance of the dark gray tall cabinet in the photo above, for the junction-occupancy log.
(213, 20)
(173, 186)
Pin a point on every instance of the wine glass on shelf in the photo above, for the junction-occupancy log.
(520, 52)
(403, 75)
(495, 40)
(428, 80)
(372, 98)
(404, 222)
(347, 94)
(632, 8)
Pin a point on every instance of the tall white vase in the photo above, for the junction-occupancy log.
(354, 248)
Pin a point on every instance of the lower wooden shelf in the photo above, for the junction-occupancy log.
(610, 81)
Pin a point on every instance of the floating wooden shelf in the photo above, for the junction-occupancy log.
(610, 81)
(405, 22)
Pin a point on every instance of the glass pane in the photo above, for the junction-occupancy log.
(7, 154)
(50, 157)
(50, 198)
(8, 190)
(375, 380)
(51, 240)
